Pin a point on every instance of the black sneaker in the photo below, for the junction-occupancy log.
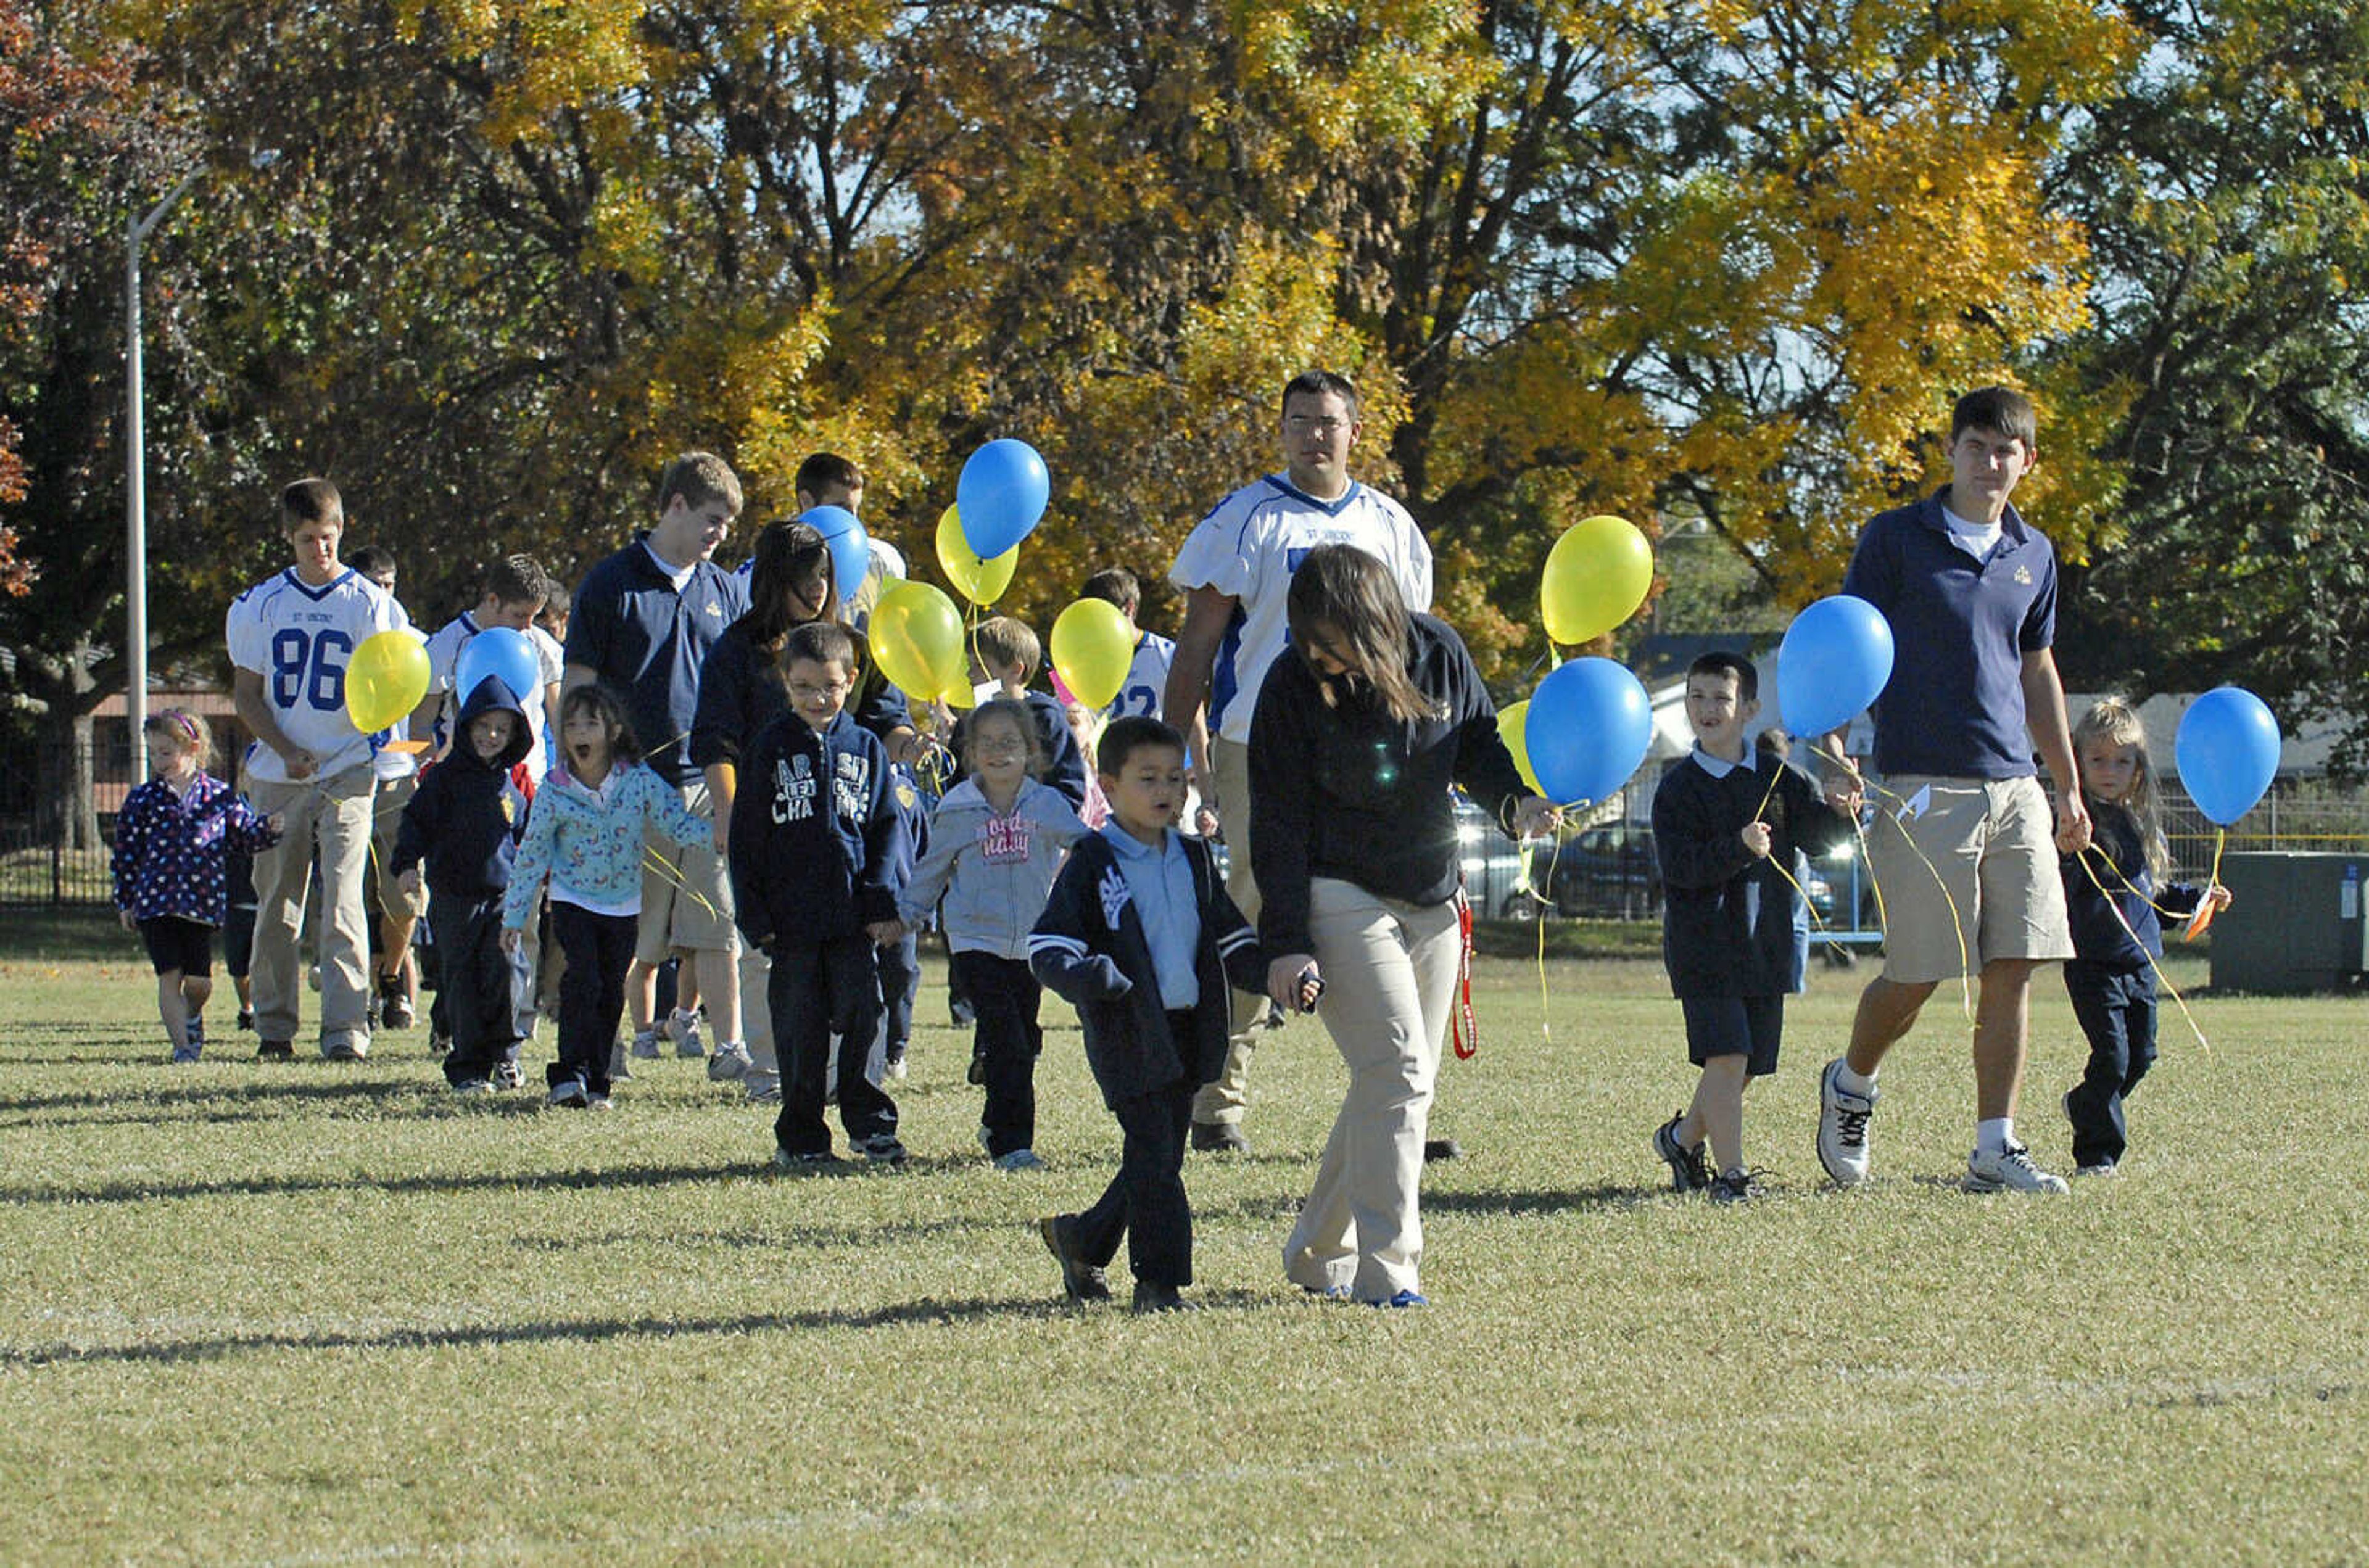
(1081, 1281)
(396, 1011)
(1689, 1173)
(1219, 1137)
(1435, 1149)
(1734, 1186)
(246, 1019)
(1160, 1299)
(275, 1050)
(977, 1073)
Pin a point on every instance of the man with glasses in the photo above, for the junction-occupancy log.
(1235, 570)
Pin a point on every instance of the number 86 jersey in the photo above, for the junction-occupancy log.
(299, 638)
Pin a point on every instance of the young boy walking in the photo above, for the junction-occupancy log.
(1140, 935)
(465, 820)
(816, 854)
(1727, 822)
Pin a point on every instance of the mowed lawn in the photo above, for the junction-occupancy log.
(327, 1314)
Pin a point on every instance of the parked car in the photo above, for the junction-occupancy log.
(1495, 876)
(1611, 871)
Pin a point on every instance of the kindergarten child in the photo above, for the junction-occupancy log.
(2114, 896)
(1727, 823)
(995, 846)
(586, 835)
(816, 854)
(1008, 654)
(465, 820)
(172, 840)
(1140, 935)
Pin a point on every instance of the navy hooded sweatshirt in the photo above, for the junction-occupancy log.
(468, 814)
(817, 842)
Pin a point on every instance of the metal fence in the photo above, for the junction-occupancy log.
(39, 867)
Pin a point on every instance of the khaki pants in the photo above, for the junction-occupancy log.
(686, 894)
(757, 1020)
(1221, 1102)
(335, 814)
(1389, 986)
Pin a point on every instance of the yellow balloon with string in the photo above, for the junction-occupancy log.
(982, 582)
(1596, 577)
(917, 636)
(386, 679)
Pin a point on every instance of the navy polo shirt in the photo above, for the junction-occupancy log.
(647, 642)
(1959, 629)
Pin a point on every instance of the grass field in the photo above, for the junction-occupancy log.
(321, 1314)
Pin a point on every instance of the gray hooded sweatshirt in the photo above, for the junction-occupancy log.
(995, 871)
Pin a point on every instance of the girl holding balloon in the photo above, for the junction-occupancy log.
(1358, 732)
(2114, 895)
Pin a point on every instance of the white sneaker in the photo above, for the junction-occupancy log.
(568, 1092)
(683, 1028)
(1842, 1128)
(731, 1060)
(2010, 1170)
(897, 1069)
(509, 1075)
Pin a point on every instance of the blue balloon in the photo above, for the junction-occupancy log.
(851, 547)
(1832, 665)
(2228, 751)
(507, 655)
(1002, 493)
(1587, 729)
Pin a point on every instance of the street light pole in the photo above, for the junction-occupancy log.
(135, 480)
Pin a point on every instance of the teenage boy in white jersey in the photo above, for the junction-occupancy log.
(1235, 570)
(290, 637)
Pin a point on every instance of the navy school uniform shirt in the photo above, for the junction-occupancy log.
(1959, 630)
(1065, 764)
(2118, 857)
(468, 814)
(818, 845)
(1728, 914)
(647, 642)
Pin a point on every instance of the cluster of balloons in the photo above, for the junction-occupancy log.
(916, 631)
(1585, 729)
(2227, 749)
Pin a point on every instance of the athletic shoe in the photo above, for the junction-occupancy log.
(1328, 1292)
(730, 1061)
(597, 1099)
(473, 1086)
(184, 1055)
(819, 1160)
(509, 1075)
(683, 1029)
(1688, 1172)
(882, 1149)
(618, 1070)
(1842, 1128)
(1219, 1137)
(275, 1050)
(646, 1044)
(346, 1050)
(897, 1069)
(1019, 1160)
(2097, 1168)
(1159, 1298)
(1403, 1300)
(246, 1019)
(439, 1045)
(313, 976)
(762, 1088)
(1734, 1186)
(1435, 1149)
(395, 1007)
(196, 1035)
(2010, 1170)
(960, 1016)
(568, 1092)
(1081, 1281)
(977, 1073)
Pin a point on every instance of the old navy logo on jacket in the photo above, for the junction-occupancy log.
(1113, 890)
(1006, 839)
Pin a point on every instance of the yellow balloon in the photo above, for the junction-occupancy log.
(1092, 647)
(386, 679)
(1597, 575)
(1511, 721)
(917, 636)
(982, 582)
(959, 696)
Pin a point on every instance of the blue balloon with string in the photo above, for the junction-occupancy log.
(1832, 666)
(2229, 752)
(1588, 726)
(851, 547)
(1003, 492)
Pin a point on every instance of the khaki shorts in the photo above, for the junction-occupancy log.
(387, 821)
(686, 894)
(1970, 878)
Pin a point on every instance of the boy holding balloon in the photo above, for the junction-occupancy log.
(1960, 842)
(291, 639)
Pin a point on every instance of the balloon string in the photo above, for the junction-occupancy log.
(653, 860)
(1957, 921)
(1546, 1027)
(2161, 979)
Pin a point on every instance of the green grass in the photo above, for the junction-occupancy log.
(326, 1314)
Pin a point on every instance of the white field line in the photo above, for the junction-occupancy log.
(1941, 1391)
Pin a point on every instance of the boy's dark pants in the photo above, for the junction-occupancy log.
(901, 978)
(2116, 1008)
(1003, 999)
(1146, 1199)
(484, 988)
(818, 989)
(592, 992)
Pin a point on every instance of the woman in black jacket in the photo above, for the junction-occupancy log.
(1354, 746)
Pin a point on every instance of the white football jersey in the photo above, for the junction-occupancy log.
(1146, 680)
(1248, 547)
(298, 639)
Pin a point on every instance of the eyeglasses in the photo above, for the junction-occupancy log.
(1303, 424)
(803, 693)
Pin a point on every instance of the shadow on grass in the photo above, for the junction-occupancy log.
(1607, 1195)
(378, 1090)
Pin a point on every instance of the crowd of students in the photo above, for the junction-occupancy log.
(713, 770)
